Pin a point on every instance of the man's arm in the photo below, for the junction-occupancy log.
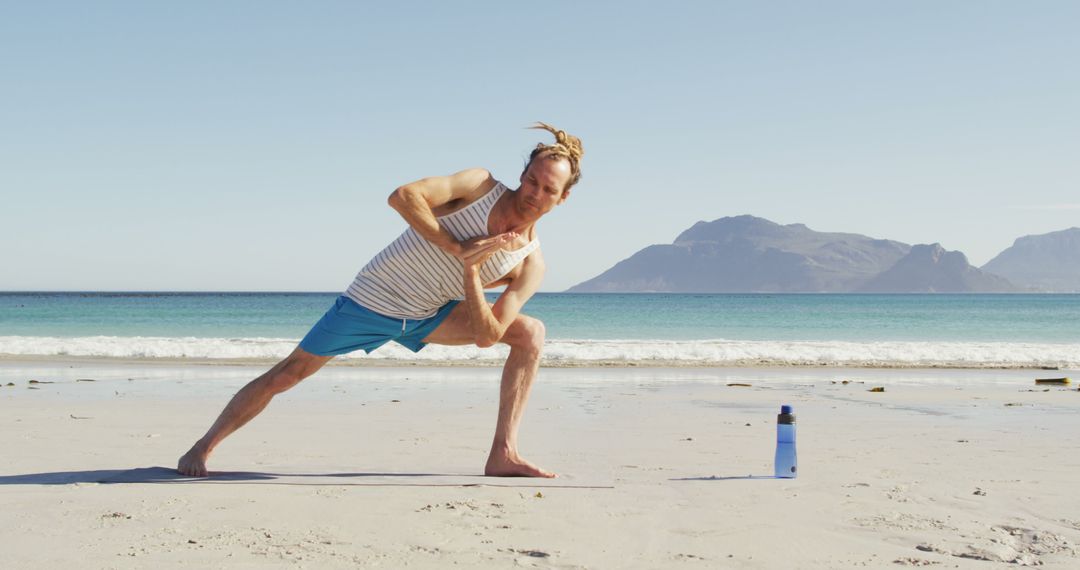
(489, 323)
(417, 201)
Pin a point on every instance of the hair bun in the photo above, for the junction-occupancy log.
(565, 144)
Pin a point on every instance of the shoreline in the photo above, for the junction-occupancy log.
(544, 363)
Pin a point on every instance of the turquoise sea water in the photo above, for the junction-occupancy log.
(891, 330)
(1015, 318)
(822, 317)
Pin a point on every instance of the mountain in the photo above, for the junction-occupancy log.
(931, 269)
(1047, 262)
(749, 254)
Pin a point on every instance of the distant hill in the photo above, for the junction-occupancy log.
(746, 254)
(1046, 262)
(750, 254)
(931, 269)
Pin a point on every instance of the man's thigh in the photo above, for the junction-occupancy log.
(454, 330)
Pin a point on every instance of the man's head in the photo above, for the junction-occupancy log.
(551, 171)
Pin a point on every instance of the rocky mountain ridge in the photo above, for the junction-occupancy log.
(744, 254)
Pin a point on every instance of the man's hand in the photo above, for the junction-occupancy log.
(476, 251)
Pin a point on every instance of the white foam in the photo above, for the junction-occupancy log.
(584, 352)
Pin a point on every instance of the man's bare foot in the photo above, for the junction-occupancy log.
(193, 463)
(509, 464)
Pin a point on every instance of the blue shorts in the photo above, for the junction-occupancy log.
(348, 326)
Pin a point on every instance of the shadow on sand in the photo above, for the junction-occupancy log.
(167, 475)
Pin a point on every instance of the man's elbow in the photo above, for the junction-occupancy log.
(398, 198)
(488, 339)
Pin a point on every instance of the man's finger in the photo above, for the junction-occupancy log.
(480, 243)
(499, 238)
(485, 246)
(486, 243)
(484, 252)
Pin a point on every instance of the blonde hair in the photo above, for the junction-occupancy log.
(566, 146)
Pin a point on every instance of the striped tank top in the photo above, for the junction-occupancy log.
(412, 278)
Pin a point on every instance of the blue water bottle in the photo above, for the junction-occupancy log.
(785, 443)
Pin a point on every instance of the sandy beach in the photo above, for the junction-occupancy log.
(378, 467)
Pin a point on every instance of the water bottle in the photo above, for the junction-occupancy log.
(785, 443)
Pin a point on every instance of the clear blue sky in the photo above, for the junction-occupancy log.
(251, 145)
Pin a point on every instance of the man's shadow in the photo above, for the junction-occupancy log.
(167, 475)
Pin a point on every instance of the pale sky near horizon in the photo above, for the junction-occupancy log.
(251, 145)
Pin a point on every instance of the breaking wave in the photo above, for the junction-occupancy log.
(564, 352)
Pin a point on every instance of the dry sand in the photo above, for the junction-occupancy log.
(661, 468)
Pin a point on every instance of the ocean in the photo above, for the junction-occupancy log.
(962, 331)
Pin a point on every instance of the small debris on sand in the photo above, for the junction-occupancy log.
(74, 417)
(909, 561)
(877, 389)
(85, 380)
(40, 382)
(532, 553)
(739, 384)
(979, 492)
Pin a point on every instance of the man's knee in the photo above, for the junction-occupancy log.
(527, 333)
(278, 381)
(288, 373)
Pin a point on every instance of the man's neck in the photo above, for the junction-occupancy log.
(507, 218)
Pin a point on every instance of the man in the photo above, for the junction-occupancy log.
(467, 232)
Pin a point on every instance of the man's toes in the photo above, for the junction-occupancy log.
(517, 468)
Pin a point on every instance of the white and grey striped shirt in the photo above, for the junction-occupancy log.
(412, 278)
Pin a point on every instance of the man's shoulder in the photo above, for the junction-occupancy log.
(476, 181)
(535, 259)
(470, 185)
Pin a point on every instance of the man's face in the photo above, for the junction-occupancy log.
(542, 186)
